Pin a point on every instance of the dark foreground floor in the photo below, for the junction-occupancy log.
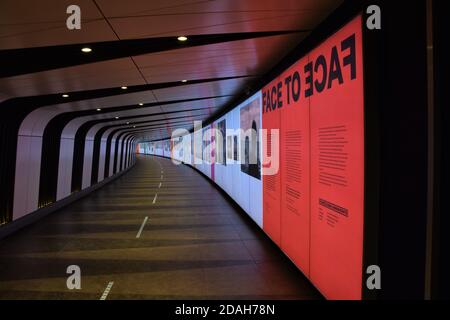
(194, 245)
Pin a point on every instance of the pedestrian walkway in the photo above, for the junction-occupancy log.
(161, 231)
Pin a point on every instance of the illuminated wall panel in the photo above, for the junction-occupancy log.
(337, 165)
(284, 104)
(271, 183)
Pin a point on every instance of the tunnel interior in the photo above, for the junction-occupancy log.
(276, 150)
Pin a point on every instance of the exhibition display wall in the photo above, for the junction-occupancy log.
(292, 156)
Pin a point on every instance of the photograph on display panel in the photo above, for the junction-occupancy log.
(229, 147)
(221, 143)
(178, 148)
(250, 126)
(167, 146)
(206, 152)
(235, 148)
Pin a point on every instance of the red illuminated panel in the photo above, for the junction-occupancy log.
(337, 163)
(271, 183)
(286, 196)
(295, 168)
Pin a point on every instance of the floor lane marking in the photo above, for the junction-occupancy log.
(107, 290)
(142, 227)
(160, 184)
(154, 199)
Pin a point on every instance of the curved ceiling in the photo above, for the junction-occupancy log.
(134, 44)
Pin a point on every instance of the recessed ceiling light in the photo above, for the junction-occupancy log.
(124, 88)
(98, 109)
(182, 38)
(141, 104)
(117, 117)
(86, 49)
(65, 95)
(134, 126)
(184, 80)
(128, 123)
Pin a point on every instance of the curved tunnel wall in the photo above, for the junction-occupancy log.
(74, 172)
(55, 158)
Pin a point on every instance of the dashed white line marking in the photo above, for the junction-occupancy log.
(161, 177)
(154, 199)
(107, 290)
(142, 227)
(160, 184)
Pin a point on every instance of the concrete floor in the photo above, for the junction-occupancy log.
(194, 245)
